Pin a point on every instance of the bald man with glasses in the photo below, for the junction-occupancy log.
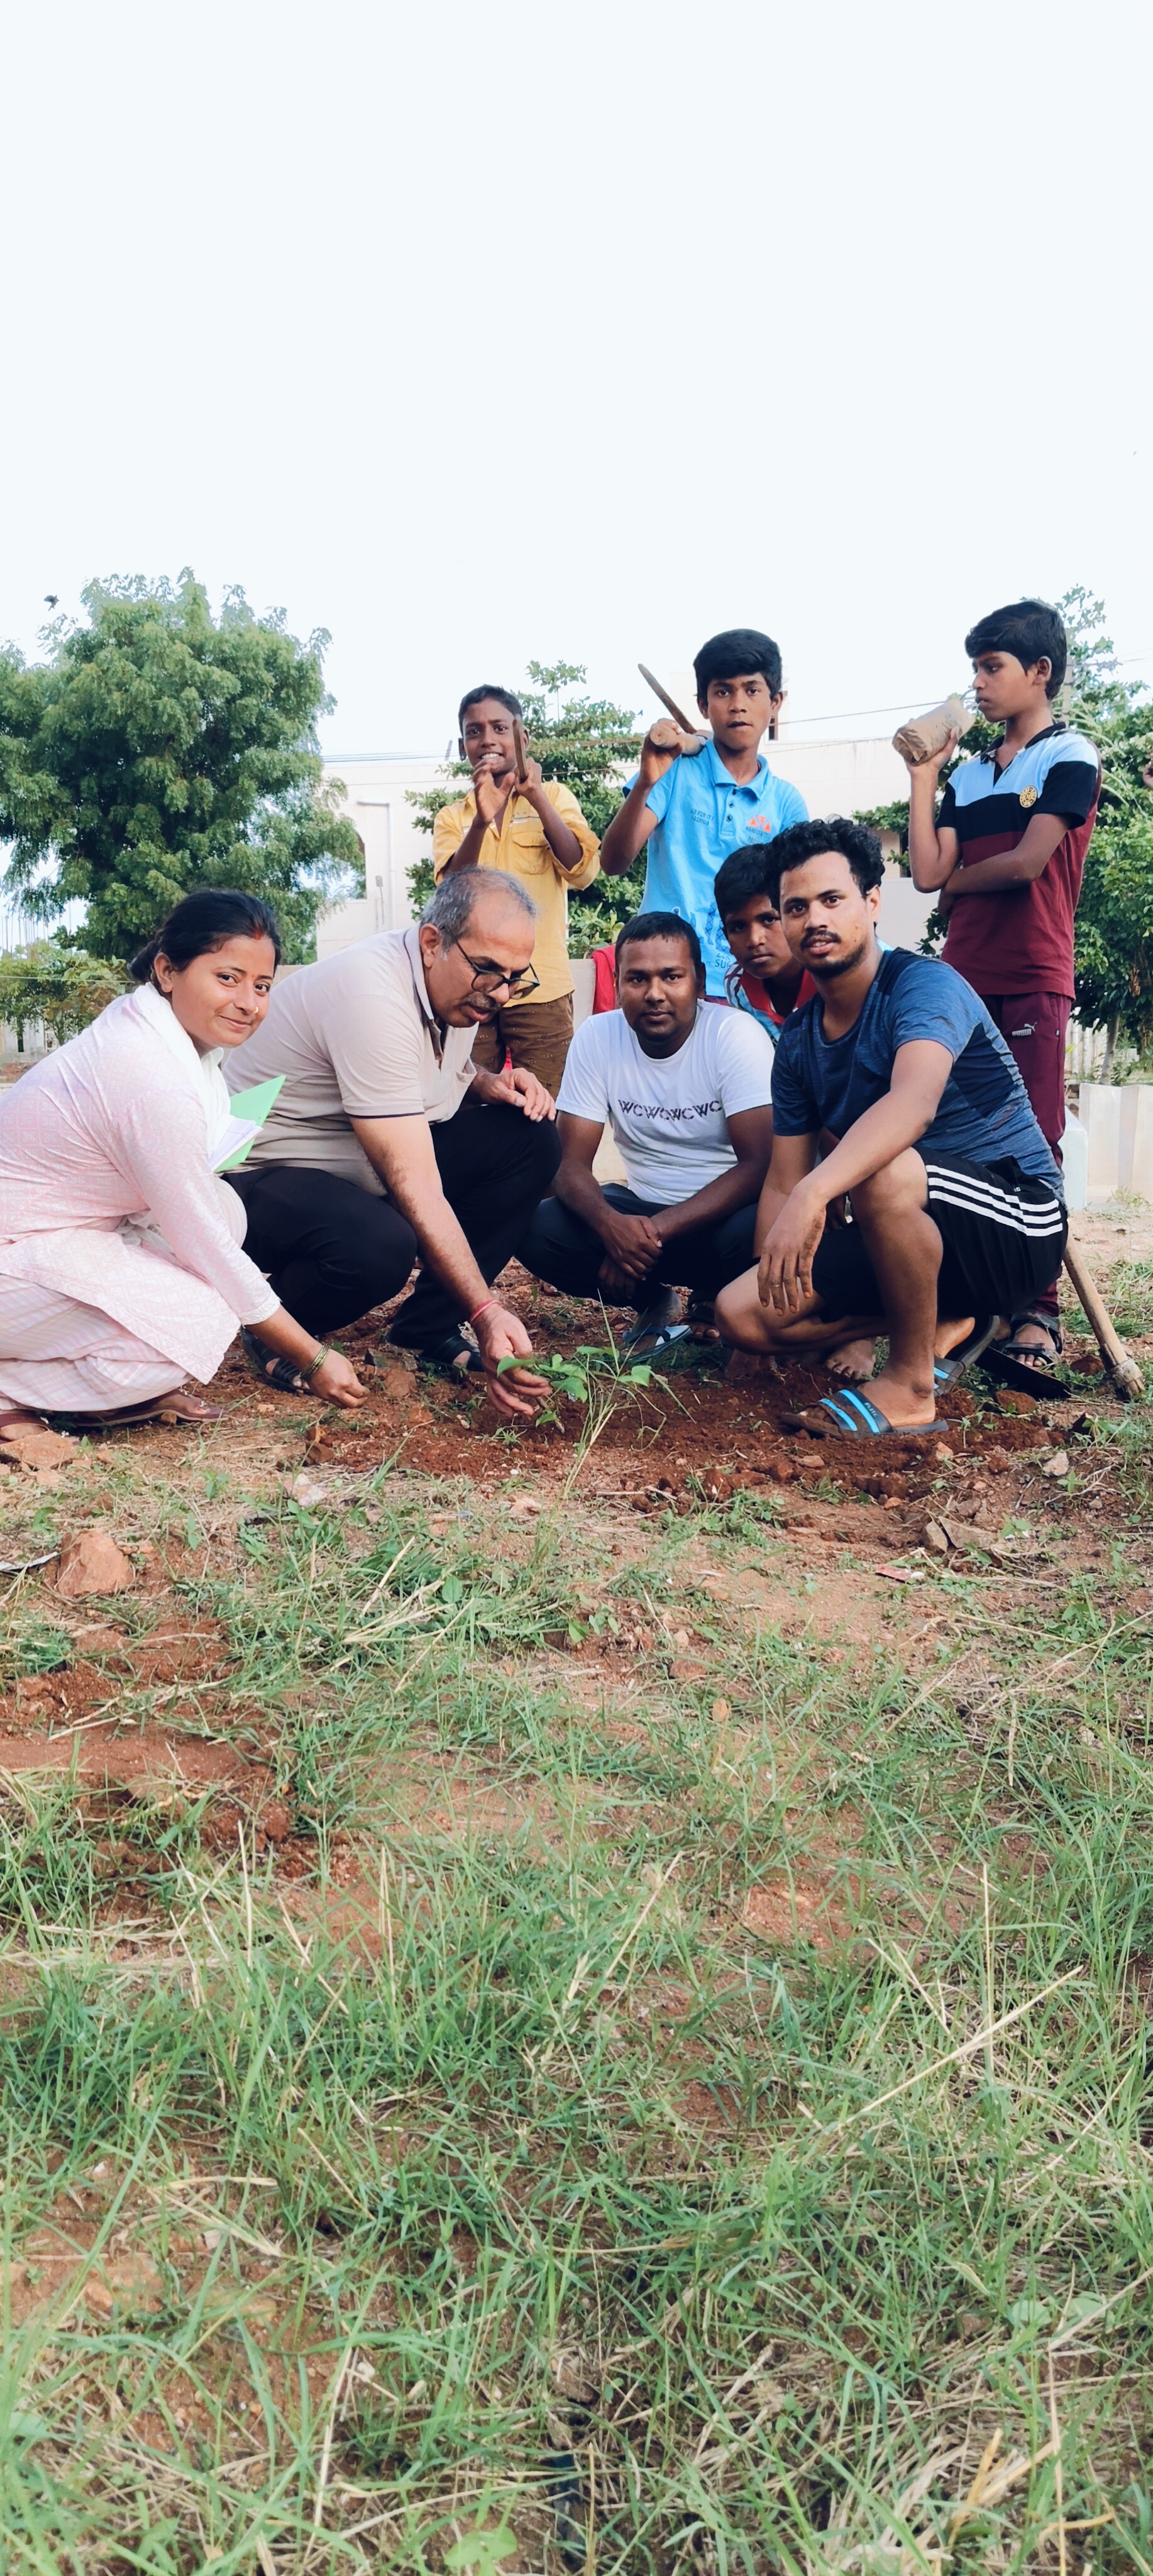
(388, 1145)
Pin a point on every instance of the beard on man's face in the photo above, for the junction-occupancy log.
(829, 963)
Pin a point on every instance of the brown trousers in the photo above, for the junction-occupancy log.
(535, 1034)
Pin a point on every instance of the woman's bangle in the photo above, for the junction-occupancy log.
(483, 1308)
(322, 1355)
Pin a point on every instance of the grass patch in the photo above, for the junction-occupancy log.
(688, 2103)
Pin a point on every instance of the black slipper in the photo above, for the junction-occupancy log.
(452, 1356)
(1040, 1383)
(271, 1371)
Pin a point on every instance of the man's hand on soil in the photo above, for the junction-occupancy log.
(502, 1335)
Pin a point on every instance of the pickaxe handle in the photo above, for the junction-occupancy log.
(685, 722)
(1124, 1371)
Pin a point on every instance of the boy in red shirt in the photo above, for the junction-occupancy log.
(765, 977)
(1005, 855)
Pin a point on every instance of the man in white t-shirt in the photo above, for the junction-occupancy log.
(685, 1086)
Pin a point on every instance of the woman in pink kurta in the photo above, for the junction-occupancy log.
(121, 1267)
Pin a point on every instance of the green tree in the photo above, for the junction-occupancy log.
(63, 987)
(590, 745)
(158, 749)
(1114, 933)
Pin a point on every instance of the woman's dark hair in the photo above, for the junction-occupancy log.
(1028, 629)
(659, 925)
(202, 922)
(800, 842)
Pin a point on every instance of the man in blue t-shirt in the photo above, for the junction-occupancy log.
(957, 1213)
(694, 801)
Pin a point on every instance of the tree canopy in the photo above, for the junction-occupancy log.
(587, 743)
(159, 748)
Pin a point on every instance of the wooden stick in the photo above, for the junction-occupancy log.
(1125, 1373)
(685, 722)
(520, 747)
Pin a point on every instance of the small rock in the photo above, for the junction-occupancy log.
(1058, 1466)
(936, 1539)
(942, 1451)
(37, 1449)
(721, 1711)
(680, 1639)
(92, 1563)
(307, 1491)
(783, 1470)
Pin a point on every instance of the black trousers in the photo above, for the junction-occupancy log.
(561, 1248)
(332, 1250)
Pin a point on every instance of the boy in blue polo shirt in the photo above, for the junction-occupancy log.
(690, 808)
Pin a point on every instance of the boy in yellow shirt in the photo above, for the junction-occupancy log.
(539, 834)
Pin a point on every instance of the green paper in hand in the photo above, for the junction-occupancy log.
(251, 1108)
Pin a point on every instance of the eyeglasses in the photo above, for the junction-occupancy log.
(489, 979)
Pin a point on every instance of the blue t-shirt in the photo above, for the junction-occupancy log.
(702, 815)
(983, 1112)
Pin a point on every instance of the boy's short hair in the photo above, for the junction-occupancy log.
(745, 873)
(1027, 628)
(659, 925)
(800, 842)
(472, 698)
(731, 655)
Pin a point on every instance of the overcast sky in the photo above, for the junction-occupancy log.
(580, 332)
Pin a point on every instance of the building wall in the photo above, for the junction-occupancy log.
(376, 802)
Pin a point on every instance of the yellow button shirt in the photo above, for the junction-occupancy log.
(521, 849)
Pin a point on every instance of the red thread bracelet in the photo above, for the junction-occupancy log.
(483, 1308)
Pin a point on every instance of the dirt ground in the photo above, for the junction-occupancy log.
(848, 1533)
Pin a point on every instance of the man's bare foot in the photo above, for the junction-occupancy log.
(949, 1335)
(15, 1418)
(901, 1403)
(1032, 1344)
(853, 1362)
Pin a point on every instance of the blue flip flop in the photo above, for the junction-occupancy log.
(863, 1420)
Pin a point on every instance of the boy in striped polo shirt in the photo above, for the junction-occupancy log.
(1005, 855)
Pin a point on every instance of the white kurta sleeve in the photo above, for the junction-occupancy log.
(163, 1142)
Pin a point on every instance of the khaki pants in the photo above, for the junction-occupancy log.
(535, 1034)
